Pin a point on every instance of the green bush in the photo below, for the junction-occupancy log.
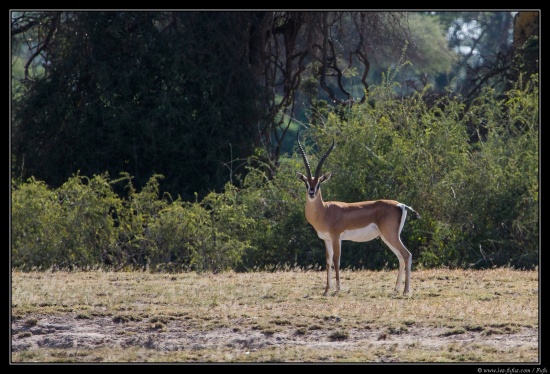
(178, 234)
(471, 170)
(68, 227)
(36, 221)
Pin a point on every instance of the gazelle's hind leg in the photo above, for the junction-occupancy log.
(405, 263)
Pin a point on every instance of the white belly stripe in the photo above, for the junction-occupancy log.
(363, 234)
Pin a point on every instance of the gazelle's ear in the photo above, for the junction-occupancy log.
(301, 176)
(325, 177)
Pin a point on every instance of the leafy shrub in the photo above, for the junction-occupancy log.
(36, 220)
(471, 170)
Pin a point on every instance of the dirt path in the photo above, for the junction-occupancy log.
(68, 332)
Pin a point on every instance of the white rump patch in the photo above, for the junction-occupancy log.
(403, 215)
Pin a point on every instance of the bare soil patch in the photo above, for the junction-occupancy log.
(69, 332)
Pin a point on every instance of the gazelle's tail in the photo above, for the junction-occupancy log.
(404, 214)
(416, 215)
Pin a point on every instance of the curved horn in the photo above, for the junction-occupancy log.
(306, 162)
(318, 170)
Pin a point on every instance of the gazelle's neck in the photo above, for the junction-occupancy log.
(315, 208)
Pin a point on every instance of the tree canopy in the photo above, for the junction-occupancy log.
(196, 96)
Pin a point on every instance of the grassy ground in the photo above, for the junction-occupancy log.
(453, 316)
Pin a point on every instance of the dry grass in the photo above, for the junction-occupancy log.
(452, 316)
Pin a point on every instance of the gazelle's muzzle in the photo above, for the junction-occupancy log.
(312, 187)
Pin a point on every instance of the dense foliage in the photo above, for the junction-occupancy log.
(471, 171)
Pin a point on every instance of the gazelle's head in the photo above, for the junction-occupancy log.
(313, 184)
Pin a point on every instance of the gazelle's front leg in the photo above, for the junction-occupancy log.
(337, 245)
(328, 254)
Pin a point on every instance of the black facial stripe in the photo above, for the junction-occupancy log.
(311, 190)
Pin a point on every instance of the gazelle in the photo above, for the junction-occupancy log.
(363, 221)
